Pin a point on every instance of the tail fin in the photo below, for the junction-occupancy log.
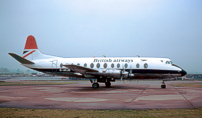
(30, 44)
(31, 50)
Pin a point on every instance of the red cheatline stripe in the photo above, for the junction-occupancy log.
(29, 53)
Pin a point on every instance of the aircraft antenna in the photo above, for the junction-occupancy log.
(104, 56)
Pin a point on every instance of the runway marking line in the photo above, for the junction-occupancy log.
(134, 98)
(185, 98)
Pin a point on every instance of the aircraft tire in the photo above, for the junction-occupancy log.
(163, 86)
(95, 85)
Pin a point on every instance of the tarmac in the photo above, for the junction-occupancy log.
(121, 96)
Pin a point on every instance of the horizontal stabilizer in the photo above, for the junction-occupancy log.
(20, 59)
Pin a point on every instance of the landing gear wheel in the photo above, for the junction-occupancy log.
(163, 86)
(95, 85)
(107, 84)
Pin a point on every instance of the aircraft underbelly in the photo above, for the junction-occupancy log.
(154, 76)
(136, 74)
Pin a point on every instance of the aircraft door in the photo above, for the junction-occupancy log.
(54, 65)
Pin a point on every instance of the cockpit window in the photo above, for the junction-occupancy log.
(167, 62)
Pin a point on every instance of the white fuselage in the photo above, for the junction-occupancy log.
(138, 66)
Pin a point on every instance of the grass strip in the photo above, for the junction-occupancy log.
(53, 113)
(195, 85)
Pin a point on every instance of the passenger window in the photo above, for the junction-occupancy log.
(137, 65)
(112, 65)
(105, 65)
(118, 65)
(98, 65)
(145, 65)
(126, 65)
(85, 65)
(91, 65)
(78, 64)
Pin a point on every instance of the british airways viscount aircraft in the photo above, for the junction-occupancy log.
(105, 69)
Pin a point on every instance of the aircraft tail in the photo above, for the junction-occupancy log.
(31, 50)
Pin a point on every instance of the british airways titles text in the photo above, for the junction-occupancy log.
(113, 60)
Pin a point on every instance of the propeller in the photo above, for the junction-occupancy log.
(61, 67)
(122, 74)
(129, 74)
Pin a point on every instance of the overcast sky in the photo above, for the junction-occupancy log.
(81, 28)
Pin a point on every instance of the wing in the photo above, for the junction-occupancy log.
(94, 73)
(79, 69)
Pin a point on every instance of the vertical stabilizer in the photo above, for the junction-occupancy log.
(31, 51)
(30, 43)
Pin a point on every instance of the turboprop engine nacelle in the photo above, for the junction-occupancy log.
(107, 73)
(110, 73)
(124, 74)
(115, 73)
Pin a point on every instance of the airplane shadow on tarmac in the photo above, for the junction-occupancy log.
(112, 88)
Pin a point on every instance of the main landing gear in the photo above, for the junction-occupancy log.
(107, 84)
(96, 85)
(163, 85)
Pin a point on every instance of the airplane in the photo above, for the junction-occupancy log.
(99, 69)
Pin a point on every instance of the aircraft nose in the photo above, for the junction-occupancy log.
(183, 72)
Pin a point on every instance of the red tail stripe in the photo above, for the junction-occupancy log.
(30, 43)
(29, 53)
